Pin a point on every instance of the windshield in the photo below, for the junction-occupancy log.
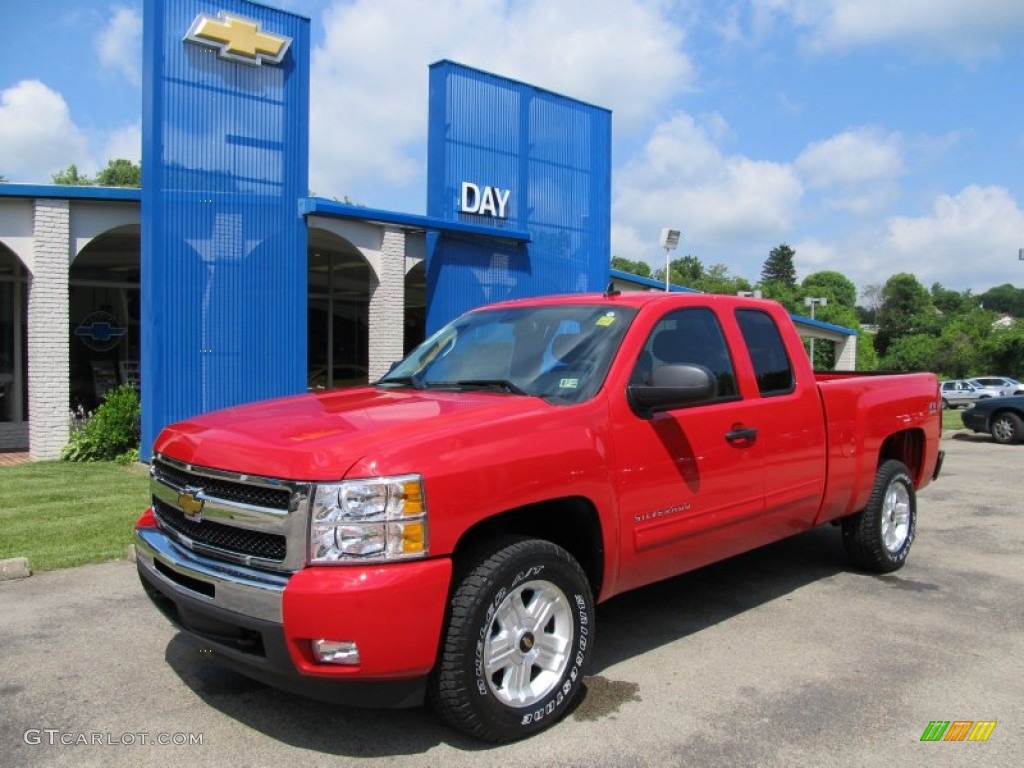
(559, 352)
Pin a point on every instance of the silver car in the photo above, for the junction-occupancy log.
(998, 386)
(960, 393)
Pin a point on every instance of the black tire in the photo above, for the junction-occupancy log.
(879, 537)
(1007, 428)
(945, 404)
(522, 607)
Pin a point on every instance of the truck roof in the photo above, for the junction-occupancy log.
(636, 299)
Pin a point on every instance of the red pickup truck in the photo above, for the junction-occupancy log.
(447, 531)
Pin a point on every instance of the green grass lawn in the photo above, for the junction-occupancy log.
(951, 419)
(60, 514)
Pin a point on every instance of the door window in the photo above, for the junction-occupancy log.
(689, 336)
(772, 367)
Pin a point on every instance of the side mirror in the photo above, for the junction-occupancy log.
(671, 387)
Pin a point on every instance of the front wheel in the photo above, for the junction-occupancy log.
(1007, 428)
(879, 537)
(517, 641)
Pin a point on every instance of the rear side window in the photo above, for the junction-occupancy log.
(767, 352)
(690, 336)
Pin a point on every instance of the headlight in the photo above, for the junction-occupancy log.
(377, 519)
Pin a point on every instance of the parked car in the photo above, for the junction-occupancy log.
(958, 393)
(1003, 384)
(1001, 417)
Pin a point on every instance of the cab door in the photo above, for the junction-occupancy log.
(690, 482)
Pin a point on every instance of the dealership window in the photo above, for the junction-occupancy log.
(13, 339)
(104, 301)
(338, 319)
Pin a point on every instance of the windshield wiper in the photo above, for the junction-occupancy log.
(402, 381)
(501, 384)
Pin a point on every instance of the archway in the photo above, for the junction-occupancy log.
(13, 352)
(103, 309)
(415, 306)
(339, 316)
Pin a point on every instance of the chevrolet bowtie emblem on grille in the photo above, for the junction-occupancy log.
(238, 39)
(191, 504)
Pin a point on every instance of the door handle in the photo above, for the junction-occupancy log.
(741, 434)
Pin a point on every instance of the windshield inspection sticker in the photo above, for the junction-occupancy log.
(606, 320)
(568, 383)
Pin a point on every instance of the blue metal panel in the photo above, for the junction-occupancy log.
(550, 154)
(225, 158)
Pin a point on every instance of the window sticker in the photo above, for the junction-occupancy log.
(568, 383)
(606, 321)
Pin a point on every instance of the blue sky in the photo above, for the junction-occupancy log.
(873, 136)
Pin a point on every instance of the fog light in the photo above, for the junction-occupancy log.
(336, 652)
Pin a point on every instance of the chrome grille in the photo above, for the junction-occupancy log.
(255, 521)
(243, 493)
(237, 541)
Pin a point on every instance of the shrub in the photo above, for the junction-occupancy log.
(112, 433)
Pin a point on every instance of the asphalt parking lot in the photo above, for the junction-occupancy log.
(782, 657)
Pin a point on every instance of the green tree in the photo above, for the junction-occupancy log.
(867, 358)
(1004, 298)
(71, 177)
(911, 352)
(687, 271)
(950, 302)
(778, 267)
(120, 173)
(906, 309)
(718, 280)
(1003, 351)
(835, 286)
(641, 268)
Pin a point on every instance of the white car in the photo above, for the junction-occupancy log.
(998, 386)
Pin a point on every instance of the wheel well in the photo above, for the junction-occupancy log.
(571, 523)
(906, 446)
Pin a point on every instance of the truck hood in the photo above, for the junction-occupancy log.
(321, 436)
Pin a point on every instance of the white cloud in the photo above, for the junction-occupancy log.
(969, 240)
(119, 44)
(125, 142)
(37, 135)
(967, 29)
(856, 169)
(370, 77)
(682, 179)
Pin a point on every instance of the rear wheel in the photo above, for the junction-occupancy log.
(517, 641)
(879, 537)
(1007, 428)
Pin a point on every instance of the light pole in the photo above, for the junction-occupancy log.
(812, 302)
(669, 241)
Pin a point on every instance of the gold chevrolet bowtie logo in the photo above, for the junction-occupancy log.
(238, 39)
(191, 504)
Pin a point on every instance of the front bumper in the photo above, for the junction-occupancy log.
(262, 624)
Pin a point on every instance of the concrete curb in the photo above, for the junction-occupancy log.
(14, 568)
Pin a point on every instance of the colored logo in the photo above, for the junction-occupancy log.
(100, 331)
(958, 730)
(191, 504)
(238, 39)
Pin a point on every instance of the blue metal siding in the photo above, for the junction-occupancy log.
(554, 156)
(225, 159)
